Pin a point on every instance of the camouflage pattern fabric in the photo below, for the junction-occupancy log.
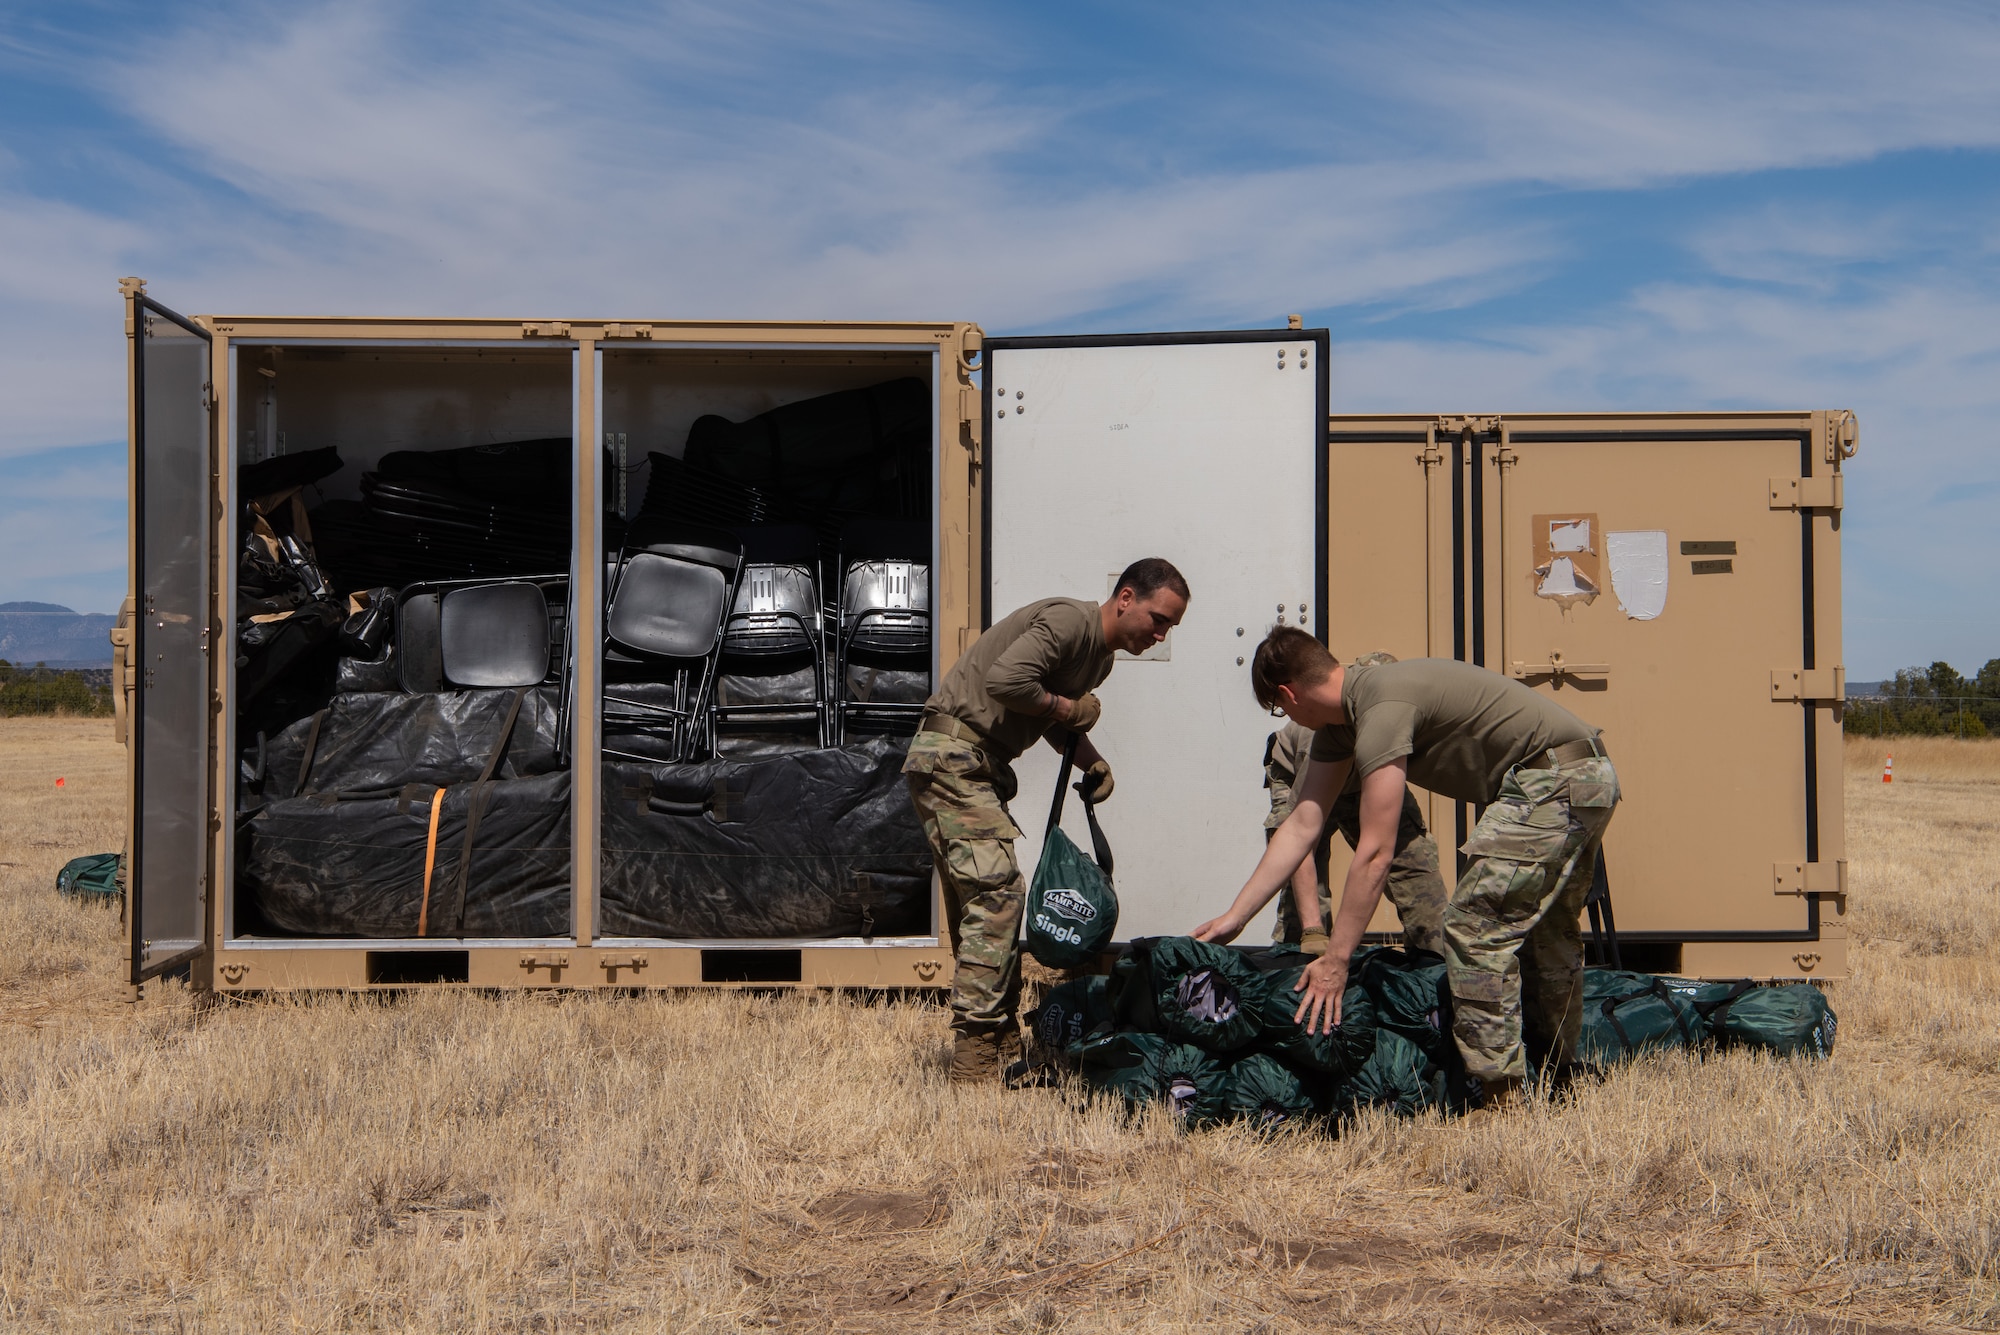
(1512, 938)
(959, 798)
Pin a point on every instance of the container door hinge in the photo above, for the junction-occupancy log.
(611, 964)
(545, 329)
(1797, 684)
(1810, 878)
(616, 330)
(1806, 493)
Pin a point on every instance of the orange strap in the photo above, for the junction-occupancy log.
(430, 863)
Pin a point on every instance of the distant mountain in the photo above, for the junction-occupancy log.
(32, 633)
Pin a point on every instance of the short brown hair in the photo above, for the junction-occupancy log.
(1148, 575)
(1288, 657)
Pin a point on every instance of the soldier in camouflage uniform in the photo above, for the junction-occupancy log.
(1513, 943)
(1414, 885)
(1029, 677)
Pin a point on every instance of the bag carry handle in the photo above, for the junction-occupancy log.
(1100, 847)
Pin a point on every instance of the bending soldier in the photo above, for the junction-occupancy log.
(1028, 677)
(1513, 945)
(1413, 884)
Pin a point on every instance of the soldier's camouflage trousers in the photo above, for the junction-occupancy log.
(1414, 884)
(1512, 939)
(961, 800)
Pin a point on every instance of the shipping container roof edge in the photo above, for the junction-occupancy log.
(239, 326)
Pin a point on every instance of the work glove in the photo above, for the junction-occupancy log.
(1084, 713)
(1096, 784)
(1312, 942)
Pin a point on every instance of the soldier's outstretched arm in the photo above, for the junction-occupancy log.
(1325, 979)
(1291, 844)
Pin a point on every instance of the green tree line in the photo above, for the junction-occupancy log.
(45, 690)
(1934, 701)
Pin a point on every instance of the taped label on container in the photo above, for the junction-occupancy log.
(1566, 558)
(1638, 571)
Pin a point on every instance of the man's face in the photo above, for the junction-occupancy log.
(1137, 624)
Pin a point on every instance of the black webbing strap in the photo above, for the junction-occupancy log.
(1603, 927)
(1715, 1012)
(1100, 847)
(476, 807)
(1659, 989)
(306, 760)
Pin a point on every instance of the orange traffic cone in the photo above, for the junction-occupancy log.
(1889, 770)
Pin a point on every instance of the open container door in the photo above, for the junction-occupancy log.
(170, 467)
(1207, 449)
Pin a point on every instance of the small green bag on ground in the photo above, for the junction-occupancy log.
(92, 877)
(1789, 1019)
(1340, 1054)
(1203, 993)
(1072, 912)
(1412, 997)
(1150, 1068)
(1266, 1093)
(1625, 1014)
(1398, 1077)
(1069, 1014)
(1131, 989)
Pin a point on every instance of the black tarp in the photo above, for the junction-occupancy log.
(320, 866)
(380, 741)
(818, 843)
(336, 848)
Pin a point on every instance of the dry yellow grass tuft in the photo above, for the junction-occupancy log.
(723, 1162)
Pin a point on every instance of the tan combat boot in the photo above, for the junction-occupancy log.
(1498, 1096)
(975, 1059)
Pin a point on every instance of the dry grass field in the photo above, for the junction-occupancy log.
(723, 1162)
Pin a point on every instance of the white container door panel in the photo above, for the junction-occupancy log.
(1207, 451)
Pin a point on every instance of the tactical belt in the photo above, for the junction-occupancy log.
(1566, 754)
(951, 727)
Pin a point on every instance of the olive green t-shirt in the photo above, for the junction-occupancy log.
(1463, 727)
(996, 687)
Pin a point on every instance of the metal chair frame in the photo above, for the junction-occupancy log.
(856, 624)
(811, 640)
(690, 720)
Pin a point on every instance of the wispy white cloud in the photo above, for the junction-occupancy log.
(1025, 169)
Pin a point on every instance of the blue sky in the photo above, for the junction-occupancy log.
(1494, 209)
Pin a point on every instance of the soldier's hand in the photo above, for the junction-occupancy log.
(1096, 783)
(1084, 712)
(1322, 982)
(1221, 930)
(1312, 941)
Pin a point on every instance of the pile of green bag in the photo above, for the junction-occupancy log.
(1208, 1031)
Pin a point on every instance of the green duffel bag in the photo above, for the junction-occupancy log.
(1072, 912)
(1268, 1094)
(1150, 1068)
(1397, 1076)
(1412, 997)
(1625, 1014)
(1203, 993)
(1339, 1054)
(1069, 1014)
(93, 878)
(1789, 1019)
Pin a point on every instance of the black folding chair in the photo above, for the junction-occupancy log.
(478, 634)
(884, 620)
(772, 643)
(663, 625)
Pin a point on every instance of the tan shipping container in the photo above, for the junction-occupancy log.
(1053, 462)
